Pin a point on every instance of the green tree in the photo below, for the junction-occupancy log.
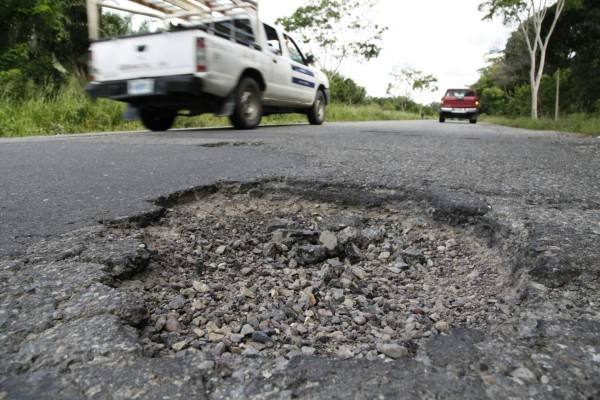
(336, 31)
(406, 79)
(492, 101)
(345, 90)
(529, 16)
(43, 38)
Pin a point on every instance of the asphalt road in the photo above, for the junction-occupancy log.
(52, 185)
(67, 329)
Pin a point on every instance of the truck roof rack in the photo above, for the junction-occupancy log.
(168, 9)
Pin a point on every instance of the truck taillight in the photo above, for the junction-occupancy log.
(200, 55)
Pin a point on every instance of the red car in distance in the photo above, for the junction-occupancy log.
(460, 104)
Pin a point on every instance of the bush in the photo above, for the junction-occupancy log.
(15, 86)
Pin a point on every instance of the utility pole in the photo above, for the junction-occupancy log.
(557, 94)
(93, 21)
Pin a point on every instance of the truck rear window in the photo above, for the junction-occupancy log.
(223, 29)
(239, 30)
(243, 31)
(460, 93)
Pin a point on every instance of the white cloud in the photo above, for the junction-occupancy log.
(445, 38)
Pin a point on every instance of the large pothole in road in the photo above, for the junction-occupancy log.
(277, 271)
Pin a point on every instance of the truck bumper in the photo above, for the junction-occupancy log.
(461, 113)
(161, 86)
(167, 93)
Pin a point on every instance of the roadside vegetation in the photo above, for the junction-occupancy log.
(583, 124)
(48, 110)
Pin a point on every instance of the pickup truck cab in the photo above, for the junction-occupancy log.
(460, 104)
(229, 65)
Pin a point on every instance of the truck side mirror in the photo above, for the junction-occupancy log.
(309, 59)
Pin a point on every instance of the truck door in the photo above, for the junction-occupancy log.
(278, 92)
(303, 80)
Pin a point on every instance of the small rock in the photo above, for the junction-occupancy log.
(450, 243)
(247, 293)
(179, 345)
(172, 325)
(198, 305)
(347, 235)
(523, 373)
(189, 293)
(360, 320)
(247, 330)
(215, 337)
(199, 332)
(312, 300)
(160, 323)
(353, 253)
(473, 275)
(220, 250)
(359, 273)
(392, 350)
(372, 234)
(398, 267)
(236, 338)
(413, 254)
(261, 337)
(270, 250)
(219, 349)
(312, 254)
(177, 302)
(442, 326)
(200, 287)
(344, 352)
(338, 294)
(329, 240)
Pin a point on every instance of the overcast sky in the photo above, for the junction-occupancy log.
(444, 38)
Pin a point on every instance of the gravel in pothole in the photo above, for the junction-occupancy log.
(272, 274)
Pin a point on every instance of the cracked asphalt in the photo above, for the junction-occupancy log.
(542, 187)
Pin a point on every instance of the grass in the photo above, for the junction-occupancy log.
(71, 111)
(582, 124)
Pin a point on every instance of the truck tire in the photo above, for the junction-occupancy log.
(316, 114)
(248, 106)
(473, 120)
(155, 120)
(442, 118)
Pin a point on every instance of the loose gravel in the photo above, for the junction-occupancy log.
(279, 274)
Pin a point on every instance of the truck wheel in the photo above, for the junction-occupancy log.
(248, 106)
(316, 114)
(155, 120)
(473, 120)
(442, 118)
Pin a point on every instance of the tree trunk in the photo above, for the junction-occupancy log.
(534, 103)
(534, 83)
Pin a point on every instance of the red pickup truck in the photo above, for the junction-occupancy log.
(460, 104)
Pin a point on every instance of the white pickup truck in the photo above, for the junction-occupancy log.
(230, 65)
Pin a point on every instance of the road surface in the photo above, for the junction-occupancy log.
(535, 195)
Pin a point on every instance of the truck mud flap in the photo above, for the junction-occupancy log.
(131, 113)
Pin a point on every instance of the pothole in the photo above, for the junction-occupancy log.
(274, 272)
